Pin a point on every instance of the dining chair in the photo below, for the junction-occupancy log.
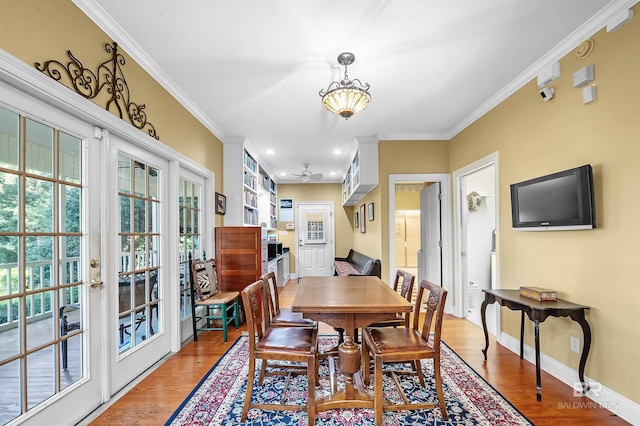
(216, 308)
(295, 344)
(405, 281)
(277, 316)
(399, 345)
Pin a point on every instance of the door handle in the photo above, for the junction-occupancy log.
(96, 282)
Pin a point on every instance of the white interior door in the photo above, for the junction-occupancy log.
(430, 255)
(137, 281)
(315, 239)
(50, 315)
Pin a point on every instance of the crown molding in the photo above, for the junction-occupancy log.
(99, 17)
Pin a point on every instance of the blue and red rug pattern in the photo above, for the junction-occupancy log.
(219, 397)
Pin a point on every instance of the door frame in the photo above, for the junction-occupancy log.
(459, 238)
(445, 184)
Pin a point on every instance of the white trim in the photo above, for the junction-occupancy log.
(445, 180)
(603, 396)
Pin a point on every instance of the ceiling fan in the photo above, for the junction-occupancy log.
(306, 174)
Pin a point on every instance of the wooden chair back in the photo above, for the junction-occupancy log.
(271, 302)
(434, 312)
(408, 281)
(253, 309)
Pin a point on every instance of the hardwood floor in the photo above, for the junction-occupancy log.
(154, 400)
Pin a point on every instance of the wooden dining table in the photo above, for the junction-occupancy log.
(348, 302)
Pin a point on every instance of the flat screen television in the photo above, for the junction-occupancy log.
(559, 201)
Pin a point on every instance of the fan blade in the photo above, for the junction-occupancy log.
(316, 176)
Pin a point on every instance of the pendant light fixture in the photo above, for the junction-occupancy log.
(346, 97)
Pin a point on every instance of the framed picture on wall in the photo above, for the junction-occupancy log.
(363, 223)
(370, 211)
(356, 222)
(221, 203)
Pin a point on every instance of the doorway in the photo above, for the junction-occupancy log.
(477, 220)
(315, 238)
(423, 251)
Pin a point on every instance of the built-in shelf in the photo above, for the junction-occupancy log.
(251, 197)
(362, 175)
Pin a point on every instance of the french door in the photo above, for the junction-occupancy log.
(50, 264)
(138, 215)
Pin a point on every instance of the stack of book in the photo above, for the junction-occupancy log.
(537, 293)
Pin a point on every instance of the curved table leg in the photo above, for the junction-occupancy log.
(483, 315)
(586, 331)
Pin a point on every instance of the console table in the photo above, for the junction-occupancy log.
(538, 312)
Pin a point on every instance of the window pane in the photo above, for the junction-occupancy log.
(70, 158)
(10, 402)
(154, 251)
(125, 214)
(125, 256)
(153, 183)
(189, 194)
(42, 329)
(40, 376)
(139, 215)
(70, 206)
(74, 368)
(39, 149)
(8, 204)
(124, 175)
(10, 335)
(196, 221)
(9, 270)
(139, 250)
(70, 271)
(154, 216)
(39, 262)
(140, 179)
(9, 127)
(38, 206)
(181, 189)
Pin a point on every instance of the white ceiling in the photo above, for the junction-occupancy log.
(253, 68)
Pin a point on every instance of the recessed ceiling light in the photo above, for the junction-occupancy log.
(332, 173)
(283, 174)
(270, 152)
(337, 151)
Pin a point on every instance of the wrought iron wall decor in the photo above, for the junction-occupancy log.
(109, 77)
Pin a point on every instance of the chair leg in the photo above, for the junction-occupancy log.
(418, 367)
(194, 320)
(377, 389)
(247, 396)
(312, 372)
(440, 392)
(223, 308)
(236, 313)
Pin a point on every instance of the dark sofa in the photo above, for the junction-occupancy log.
(357, 263)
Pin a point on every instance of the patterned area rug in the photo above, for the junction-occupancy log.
(219, 397)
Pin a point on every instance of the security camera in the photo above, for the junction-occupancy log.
(547, 93)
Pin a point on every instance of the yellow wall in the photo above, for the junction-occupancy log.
(594, 267)
(38, 31)
(407, 200)
(331, 192)
(405, 157)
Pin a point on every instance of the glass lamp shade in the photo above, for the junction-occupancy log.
(346, 101)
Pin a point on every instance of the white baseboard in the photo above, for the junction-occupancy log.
(599, 395)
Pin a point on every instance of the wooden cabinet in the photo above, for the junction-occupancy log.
(241, 256)
(362, 175)
(250, 190)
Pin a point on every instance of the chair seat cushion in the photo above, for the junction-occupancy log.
(285, 316)
(219, 298)
(289, 338)
(389, 340)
